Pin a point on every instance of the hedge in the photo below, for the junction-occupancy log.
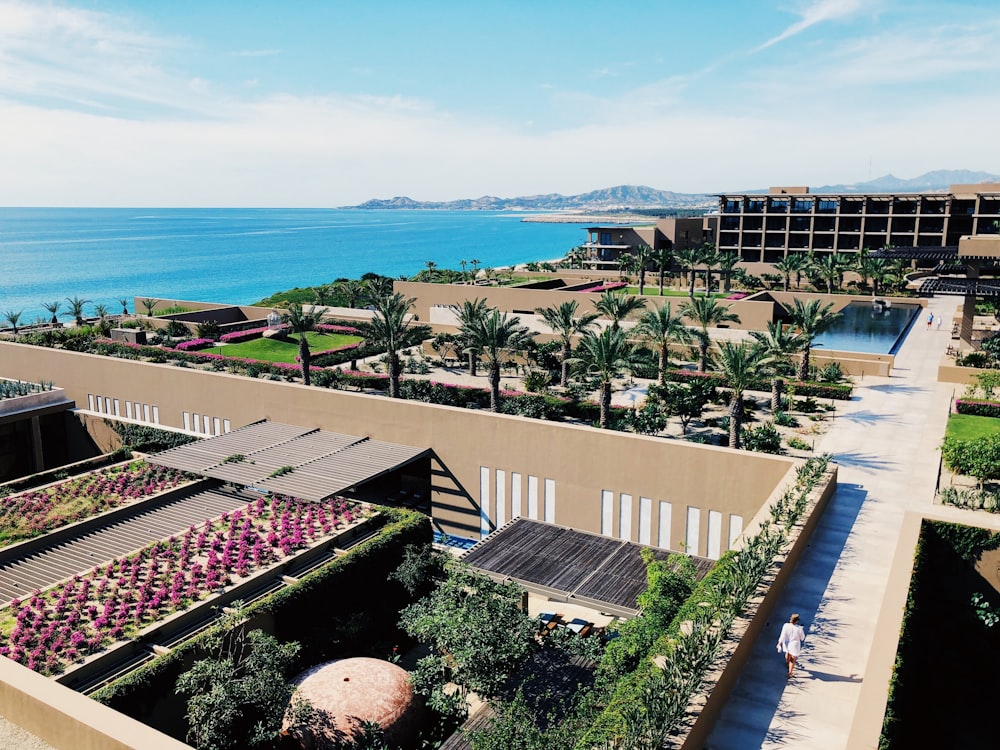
(342, 587)
(837, 391)
(978, 408)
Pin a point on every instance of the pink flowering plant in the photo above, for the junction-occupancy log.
(194, 344)
(29, 514)
(52, 629)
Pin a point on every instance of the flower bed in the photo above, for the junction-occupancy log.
(597, 288)
(70, 621)
(32, 513)
(236, 336)
(194, 344)
(330, 328)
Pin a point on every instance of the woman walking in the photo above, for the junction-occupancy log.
(790, 642)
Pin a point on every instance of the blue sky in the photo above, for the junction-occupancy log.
(225, 103)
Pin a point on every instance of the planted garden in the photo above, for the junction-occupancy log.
(29, 514)
(50, 630)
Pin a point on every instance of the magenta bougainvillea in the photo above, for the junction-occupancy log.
(49, 630)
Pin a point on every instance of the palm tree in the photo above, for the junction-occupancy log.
(53, 309)
(353, 291)
(124, 303)
(301, 322)
(811, 319)
(727, 262)
(627, 265)
(739, 364)
(643, 255)
(710, 257)
(564, 323)
(468, 315)
(689, 258)
(661, 260)
(829, 269)
(465, 265)
(474, 266)
(377, 287)
(431, 270)
(76, 308)
(661, 327)
(789, 265)
(103, 322)
(12, 317)
(322, 294)
(778, 344)
(149, 305)
(617, 306)
(387, 330)
(605, 355)
(705, 312)
(495, 334)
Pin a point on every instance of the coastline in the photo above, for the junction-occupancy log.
(597, 219)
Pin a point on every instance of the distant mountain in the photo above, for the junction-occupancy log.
(610, 199)
(627, 197)
(938, 180)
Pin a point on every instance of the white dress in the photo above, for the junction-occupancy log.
(790, 640)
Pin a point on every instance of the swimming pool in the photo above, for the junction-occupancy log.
(862, 329)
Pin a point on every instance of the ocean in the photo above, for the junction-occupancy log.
(240, 256)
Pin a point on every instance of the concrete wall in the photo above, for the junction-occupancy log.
(577, 476)
(949, 372)
(70, 721)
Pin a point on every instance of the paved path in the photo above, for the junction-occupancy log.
(887, 445)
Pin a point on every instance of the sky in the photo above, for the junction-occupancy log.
(316, 103)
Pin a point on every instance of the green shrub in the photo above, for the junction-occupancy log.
(979, 458)
(762, 439)
(784, 419)
(978, 408)
(973, 359)
(798, 443)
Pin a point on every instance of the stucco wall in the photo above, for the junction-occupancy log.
(567, 465)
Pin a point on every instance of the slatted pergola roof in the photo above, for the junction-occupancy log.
(561, 563)
(309, 464)
(989, 289)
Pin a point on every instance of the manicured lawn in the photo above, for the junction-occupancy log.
(969, 427)
(275, 350)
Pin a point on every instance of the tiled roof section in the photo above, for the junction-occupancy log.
(589, 568)
(989, 289)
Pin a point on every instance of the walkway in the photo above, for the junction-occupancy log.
(887, 445)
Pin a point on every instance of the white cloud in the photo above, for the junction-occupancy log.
(815, 12)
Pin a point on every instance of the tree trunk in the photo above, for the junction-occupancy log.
(703, 351)
(708, 281)
(664, 362)
(661, 282)
(777, 385)
(642, 280)
(691, 291)
(473, 359)
(393, 375)
(494, 386)
(804, 364)
(564, 375)
(605, 404)
(728, 282)
(788, 281)
(304, 357)
(735, 420)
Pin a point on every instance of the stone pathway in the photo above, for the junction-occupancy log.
(887, 445)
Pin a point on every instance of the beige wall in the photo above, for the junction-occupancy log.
(70, 721)
(579, 462)
(949, 372)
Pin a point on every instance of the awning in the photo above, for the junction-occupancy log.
(308, 464)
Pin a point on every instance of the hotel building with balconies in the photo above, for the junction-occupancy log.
(764, 228)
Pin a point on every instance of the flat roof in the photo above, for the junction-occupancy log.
(602, 572)
(962, 287)
(316, 463)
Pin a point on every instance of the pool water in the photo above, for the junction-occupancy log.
(861, 329)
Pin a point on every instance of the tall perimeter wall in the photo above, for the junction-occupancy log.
(487, 467)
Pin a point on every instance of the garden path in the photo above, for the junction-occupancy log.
(886, 442)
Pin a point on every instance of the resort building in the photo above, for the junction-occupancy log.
(765, 228)
(607, 243)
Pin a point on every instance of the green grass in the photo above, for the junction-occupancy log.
(970, 427)
(276, 350)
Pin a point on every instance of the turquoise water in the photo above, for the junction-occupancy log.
(860, 329)
(243, 255)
